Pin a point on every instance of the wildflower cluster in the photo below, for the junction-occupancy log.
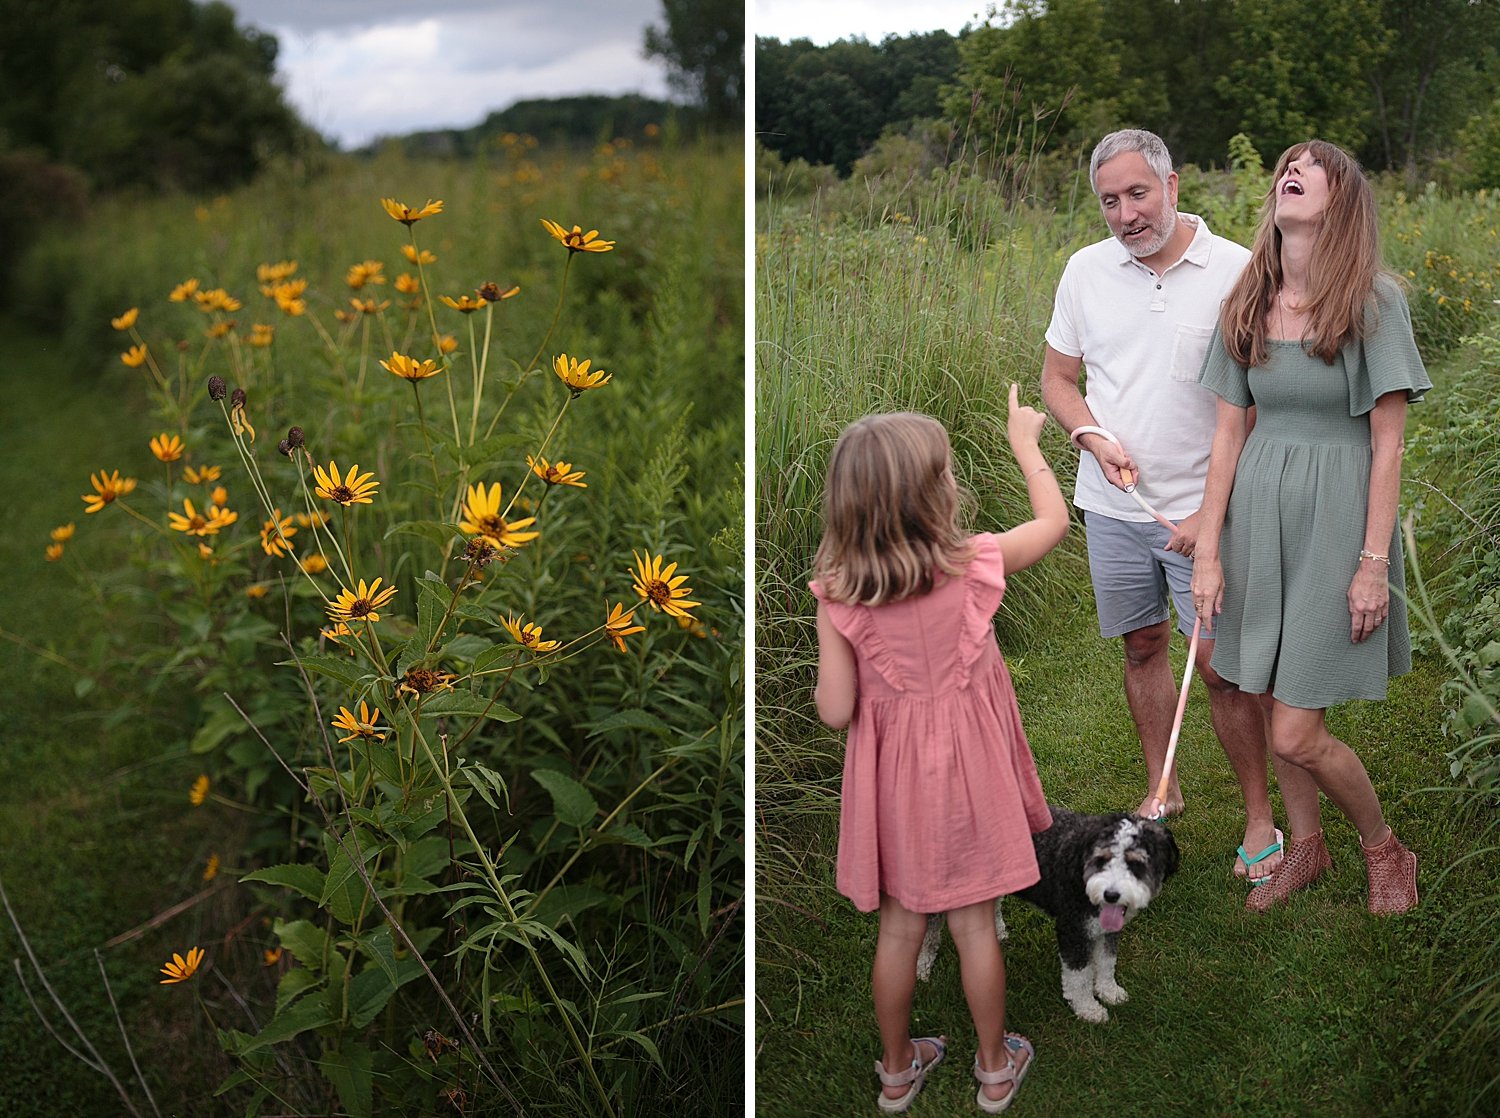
(418, 560)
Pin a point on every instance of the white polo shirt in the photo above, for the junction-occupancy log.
(1142, 338)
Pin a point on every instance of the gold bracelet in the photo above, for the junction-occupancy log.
(1386, 559)
(1038, 470)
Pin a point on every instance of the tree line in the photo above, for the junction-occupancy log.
(1408, 85)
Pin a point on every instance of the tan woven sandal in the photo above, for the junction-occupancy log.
(1305, 861)
(1393, 877)
(916, 1075)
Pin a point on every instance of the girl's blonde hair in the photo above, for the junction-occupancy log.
(1345, 263)
(892, 511)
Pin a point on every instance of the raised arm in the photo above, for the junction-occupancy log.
(1065, 402)
(1024, 544)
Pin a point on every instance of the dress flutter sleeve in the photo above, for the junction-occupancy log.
(1386, 358)
(1221, 376)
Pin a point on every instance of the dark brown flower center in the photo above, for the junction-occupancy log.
(342, 494)
(360, 608)
(659, 592)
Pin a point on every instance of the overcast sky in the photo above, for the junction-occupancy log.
(823, 21)
(358, 69)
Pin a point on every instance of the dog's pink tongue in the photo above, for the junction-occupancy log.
(1111, 917)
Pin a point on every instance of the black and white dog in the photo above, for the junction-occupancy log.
(1098, 871)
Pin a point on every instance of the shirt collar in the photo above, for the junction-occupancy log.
(1196, 253)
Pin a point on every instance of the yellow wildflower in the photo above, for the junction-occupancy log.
(180, 969)
(366, 726)
(126, 320)
(464, 303)
(199, 791)
(657, 586)
(575, 374)
(617, 626)
(353, 488)
(410, 369)
(314, 564)
(408, 284)
(276, 535)
(257, 590)
(135, 356)
(361, 604)
(261, 335)
(371, 271)
(220, 496)
(63, 533)
(206, 523)
(196, 476)
(184, 291)
(418, 256)
(167, 448)
(557, 473)
(54, 552)
(107, 487)
(482, 517)
(578, 240)
(369, 306)
(528, 635)
(408, 216)
(211, 870)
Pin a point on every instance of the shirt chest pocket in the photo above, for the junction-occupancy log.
(1189, 346)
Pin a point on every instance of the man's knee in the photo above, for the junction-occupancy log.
(1146, 644)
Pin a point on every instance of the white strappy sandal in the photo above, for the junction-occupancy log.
(916, 1075)
(1014, 1044)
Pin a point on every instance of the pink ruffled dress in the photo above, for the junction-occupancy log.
(940, 793)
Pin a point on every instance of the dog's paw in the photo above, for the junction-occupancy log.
(1090, 1011)
(1111, 993)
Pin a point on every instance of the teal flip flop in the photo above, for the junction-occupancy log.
(1249, 861)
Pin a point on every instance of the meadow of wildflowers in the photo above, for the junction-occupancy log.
(430, 554)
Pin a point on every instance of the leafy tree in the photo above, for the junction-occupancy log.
(1059, 62)
(703, 44)
(159, 92)
(1299, 71)
(1441, 62)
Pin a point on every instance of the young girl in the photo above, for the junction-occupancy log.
(940, 792)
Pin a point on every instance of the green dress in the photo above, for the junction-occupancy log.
(1296, 518)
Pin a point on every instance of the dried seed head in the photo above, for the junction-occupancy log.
(284, 447)
(217, 388)
(295, 438)
(480, 552)
(237, 398)
(490, 292)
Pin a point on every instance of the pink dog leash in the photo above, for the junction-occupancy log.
(1160, 800)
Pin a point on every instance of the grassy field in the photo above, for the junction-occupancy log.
(91, 809)
(934, 296)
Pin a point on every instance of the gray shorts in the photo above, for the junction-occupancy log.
(1133, 576)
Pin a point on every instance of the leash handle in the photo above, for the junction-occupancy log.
(1160, 806)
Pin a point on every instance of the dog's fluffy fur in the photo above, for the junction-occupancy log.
(1098, 871)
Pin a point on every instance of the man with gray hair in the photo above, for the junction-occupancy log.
(1137, 311)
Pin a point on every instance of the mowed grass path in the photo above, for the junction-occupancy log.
(1315, 1010)
(94, 839)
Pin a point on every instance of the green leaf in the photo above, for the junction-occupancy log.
(466, 704)
(465, 647)
(630, 720)
(433, 598)
(370, 989)
(348, 671)
(571, 802)
(434, 531)
(496, 654)
(349, 1070)
(307, 942)
(309, 1013)
(221, 723)
(293, 984)
(487, 782)
(306, 879)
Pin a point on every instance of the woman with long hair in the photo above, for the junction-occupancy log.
(1314, 365)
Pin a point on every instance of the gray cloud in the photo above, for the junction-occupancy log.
(358, 69)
